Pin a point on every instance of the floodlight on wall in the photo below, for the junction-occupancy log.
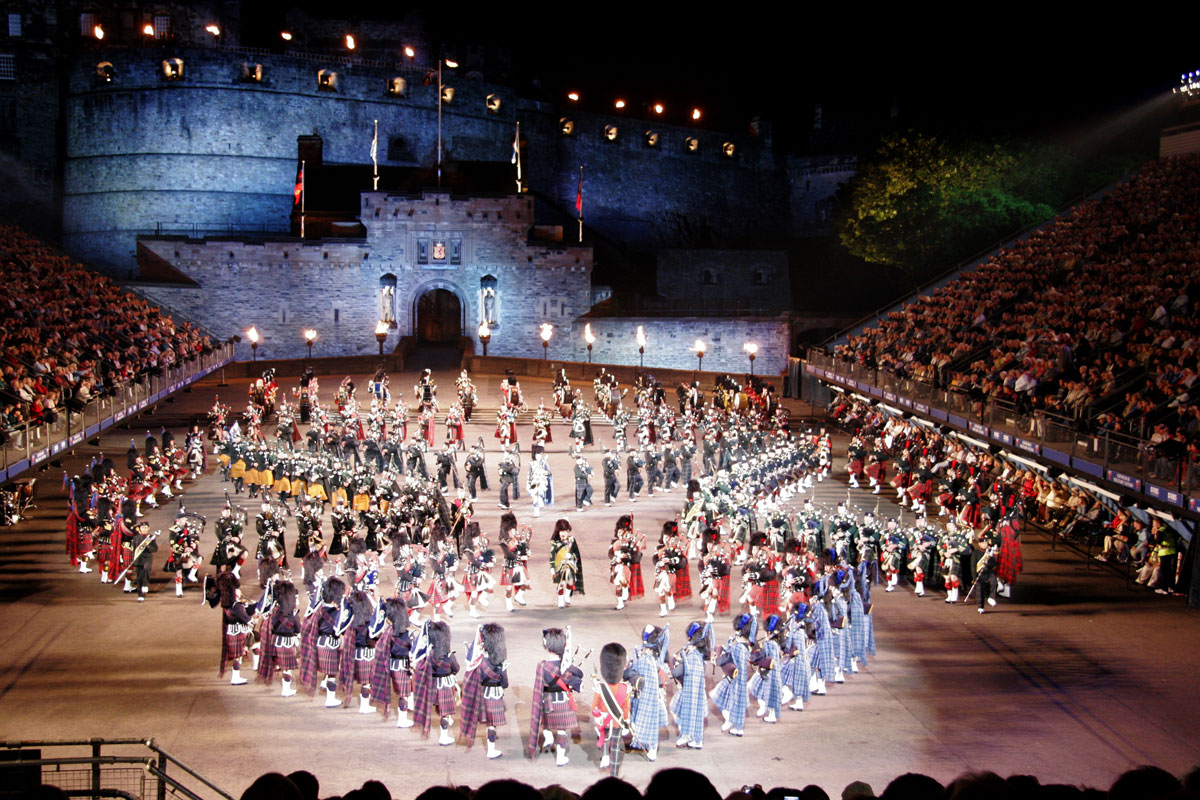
(98, 31)
(728, 149)
(215, 30)
(409, 52)
(252, 73)
(172, 69)
(148, 29)
(619, 104)
(350, 43)
(651, 138)
(610, 132)
(658, 108)
(285, 35)
(105, 72)
(492, 103)
(696, 114)
(567, 126)
(573, 97)
(397, 87)
(327, 80)
(451, 63)
(692, 144)
(447, 94)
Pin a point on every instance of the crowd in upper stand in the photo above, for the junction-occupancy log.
(1096, 311)
(70, 335)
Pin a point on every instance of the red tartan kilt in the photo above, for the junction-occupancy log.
(971, 515)
(1009, 562)
(328, 660)
(758, 594)
(637, 588)
(402, 682)
(723, 594)
(557, 715)
(902, 480)
(492, 712)
(683, 584)
(506, 576)
(437, 593)
(946, 499)
(856, 467)
(876, 471)
(770, 598)
(445, 698)
(107, 553)
(362, 671)
(923, 491)
(139, 491)
(85, 542)
(287, 658)
(235, 646)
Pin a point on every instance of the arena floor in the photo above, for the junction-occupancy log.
(1074, 680)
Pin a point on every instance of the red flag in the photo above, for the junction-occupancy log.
(298, 192)
(579, 194)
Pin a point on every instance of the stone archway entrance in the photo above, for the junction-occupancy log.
(439, 317)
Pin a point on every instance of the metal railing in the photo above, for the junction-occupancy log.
(1137, 460)
(141, 770)
(32, 443)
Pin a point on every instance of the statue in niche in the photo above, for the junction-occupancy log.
(489, 305)
(387, 303)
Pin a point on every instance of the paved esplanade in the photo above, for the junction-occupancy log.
(1073, 680)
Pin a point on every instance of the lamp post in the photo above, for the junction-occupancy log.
(381, 332)
(590, 338)
(485, 336)
(641, 340)
(752, 350)
(252, 335)
(310, 336)
(700, 347)
(546, 331)
(452, 65)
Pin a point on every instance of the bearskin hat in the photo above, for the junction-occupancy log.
(692, 487)
(285, 595)
(554, 640)
(439, 640)
(227, 586)
(508, 522)
(624, 522)
(494, 644)
(563, 524)
(793, 546)
(333, 591)
(612, 662)
(396, 611)
(758, 540)
(360, 605)
(670, 528)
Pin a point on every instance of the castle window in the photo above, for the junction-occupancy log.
(567, 126)
(760, 278)
(327, 80)
(692, 144)
(8, 67)
(88, 22)
(387, 299)
(456, 251)
(490, 299)
(396, 87)
(252, 73)
(492, 103)
(422, 251)
(651, 138)
(14, 26)
(709, 278)
(610, 132)
(728, 149)
(105, 72)
(162, 26)
(172, 69)
(447, 95)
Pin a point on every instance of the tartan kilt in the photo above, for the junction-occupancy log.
(683, 583)
(363, 668)
(726, 695)
(437, 593)
(758, 593)
(445, 699)
(361, 502)
(283, 485)
(139, 491)
(328, 660)
(637, 587)
(1009, 561)
(557, 714)
(402, 682)
(923, 491)
(902, 480)
(878, 471)
(723, 594)
(856, 467)
(506, 576)
(235, 646)
(251, 476)
(238, 470)
(317, 492)
(84, 540)
(770, 598)
(492, 711)
(223, 458)
(287, 657)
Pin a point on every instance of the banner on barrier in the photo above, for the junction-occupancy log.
(1122, 479)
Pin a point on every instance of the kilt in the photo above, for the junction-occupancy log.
(758, 593)
(445, 696)
(923, 491)
(286, 655)
(902, 480)
(492, 710)
(856, 467)
(283, 485)
(557, 714)
(506, 576)
(637, 588)
(821, 656)
(84, 540)
(723, 594)
(364, 665)
(266, 477)
(437, 593)
(251, 476)
(402, 682)
(238, 470)
(317, 492)
(1009, 561)
(877, 471)
(329, 659)
(235, 645)
(361, 502)
(223, 459)
(795, 674)
(299, 488)
(771, 598)
(683, 583)
(340, 491)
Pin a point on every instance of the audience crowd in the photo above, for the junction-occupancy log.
(1093, 318)
(71, 335)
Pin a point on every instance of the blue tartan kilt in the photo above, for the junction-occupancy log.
(649, 714)
(870, 619)
(821, 657)
(795, 674)
(557, 714)
(728, 695)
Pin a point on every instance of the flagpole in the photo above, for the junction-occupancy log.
(302, 197)
(579, 204)
(375, 158)
(517, 154)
